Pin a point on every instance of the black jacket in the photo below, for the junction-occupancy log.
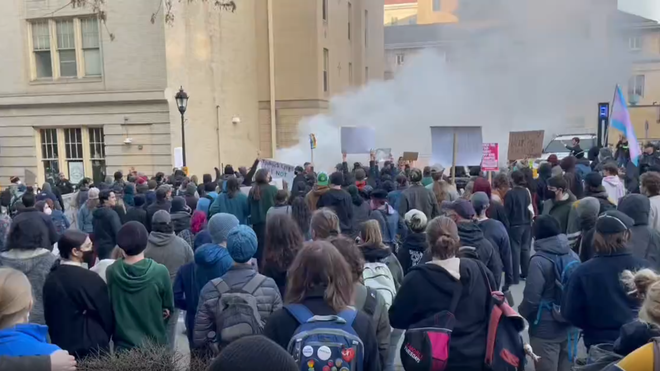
(634, 335)
(516, 204)
(31, 229)
(106, 226)
(191, 202)
(137, 214)
(472, 236)
(412, 250)
(77, 310)
(495, 232)
(180, 221)
(151, 210)
(497, 211)
(340, 202)
(644, 241)
(299, 186)
(281, 326)
(603, 198)
(428, 289)
(361, 214)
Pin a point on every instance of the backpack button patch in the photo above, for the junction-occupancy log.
(348, 355)
(310, 363)
(308, 351)
(324, 353)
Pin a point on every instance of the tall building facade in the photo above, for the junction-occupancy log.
(86, 98)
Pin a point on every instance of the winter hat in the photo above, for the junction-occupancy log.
(139, 200)
(179, 204)
(637, 207)
(93, 194)
(162, 217)
(142, 188)
(463, 208)
(191, 189)
(416, 220)
(593, 180)
(241, 243)
(613, 222)
(480, 201)
(588, 207)
(546, 226)
(240, 356)
(379, 194)
(132, 238)
(220, 225)
(552, 159)
(322, 179)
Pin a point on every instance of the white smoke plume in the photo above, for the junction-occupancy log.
(539, 65)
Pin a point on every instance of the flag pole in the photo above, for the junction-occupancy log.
(609, 118)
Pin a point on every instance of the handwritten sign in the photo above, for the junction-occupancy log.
(279, 170)
(491, 157)
(410, 156)
(525, 144)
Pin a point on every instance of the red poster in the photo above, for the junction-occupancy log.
(491, 157)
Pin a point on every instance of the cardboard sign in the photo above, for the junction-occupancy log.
(491, 157)
(279, 170)
(357, 140)
(410, 156)
(469, 145)
(525, 144)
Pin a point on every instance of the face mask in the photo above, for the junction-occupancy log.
(48, 211)
(550, 195)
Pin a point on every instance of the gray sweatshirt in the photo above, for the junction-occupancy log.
(169, 250)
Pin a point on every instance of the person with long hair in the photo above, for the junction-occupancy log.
(324, 224)
(281, 205)
(283, 241)
(601, 313)
(429, 289)
(197, 224)
(301, 214)
(517, 203)
(76, 301)
(320, 279)
(374, 250)
(260, 199)
(106, 225)
(18, 337)
(233, 201)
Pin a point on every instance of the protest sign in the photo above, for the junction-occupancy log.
(178, 157)
(525, 144)
(383, 154)
(469, 147)
(491, 157)
(410, 156)
(279, 170)
(357, 140)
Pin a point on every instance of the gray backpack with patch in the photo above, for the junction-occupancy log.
(236, 315)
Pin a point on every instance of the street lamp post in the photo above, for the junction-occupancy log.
(182, 103)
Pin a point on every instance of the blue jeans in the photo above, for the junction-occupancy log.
(395, 337)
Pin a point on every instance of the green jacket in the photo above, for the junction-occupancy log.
(258, 209)
(237, 206)
(139, 293)
(427, 180)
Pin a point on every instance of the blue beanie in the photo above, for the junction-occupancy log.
(220, 225)
(242, 244)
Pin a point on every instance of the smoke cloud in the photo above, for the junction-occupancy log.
(515, 65)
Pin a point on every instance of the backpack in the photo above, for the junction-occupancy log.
(599, 357)
(371, 302)
(237, 314)
(390, 232)
(321, 340)
(426, 343)
(379, 277)
(564, 266)
(504, 344)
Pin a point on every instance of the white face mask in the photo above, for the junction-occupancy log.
(47, 210)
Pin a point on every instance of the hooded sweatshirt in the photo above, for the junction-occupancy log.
(211, 261)
(497, 235)
(25, 340)
(180, 221)
(341, 203)
(412, 250)
(169, 250)
(139, 293)
(312, 198)
(541, 287)
(237, 205)
(472, 236)
(603, 198)
(654, 216)
(106, 226)
(644, 240)
(381, 254)
(614, 187)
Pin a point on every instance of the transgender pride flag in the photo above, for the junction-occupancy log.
(620, 120)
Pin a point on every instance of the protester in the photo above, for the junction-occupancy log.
(605, 157)
(496, 234)
(418, 197)
(233, 201)
(102, 265)
(58, 361)
(321, 280)
(180, 214)
(137, 213)
(239, 356)
(19, 338)
(83, 192)
(501, 185)
(545, 173)
(31, 229)
(339, 201)
(375, 251)
(495, 209)
(561, 203)
(242, 245)
(644, 240)
(129, 195)
(283, 241)
(612, 183)
(572, 177)
(5, 225)
(106, 225)
(212, 260)
(392, 226)
(60, 221)
(361, 209)
(191, 196)
(150, 196)
(651, 189)
(85, 214)
(622, 154)
(428, 289)
(582, 229)
(426, 176)
(320, 188)
(260, 199)
(281, 205)
(548, 335)
(197, 224)
(47, 193)
(601, 313)
(414, 244)
(518, 203)
(593, 184)
(650, 160)
(394, 197)
(324, 224)
(162, 202)
(140, 292)
(77, 305)
(120, 206)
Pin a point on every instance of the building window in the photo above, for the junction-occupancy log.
(436, 5)
(73, 44)
(394, 21)
(66, 150)
(97, 154)
(635, 43)
(366, 28)
(50, 154)
(350, 73)
(350, 16)
(326, 76)
(636, 86)
(73, 144)
(324, 7)
(399, 59)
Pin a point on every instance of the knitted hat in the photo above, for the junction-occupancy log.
(613, 222)
(220, 225)
(416, 220)
(179, 204)
(545, 226)
(240, 356)
(161, 216)
(379, 194)
(588, 207)
(241, 243)
(480, 201)
(322, 179)
(93, 193)
(593, 180)
(191, 189)
(132, 238)
(463, 208)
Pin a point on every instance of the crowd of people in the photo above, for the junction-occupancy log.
(366, 253)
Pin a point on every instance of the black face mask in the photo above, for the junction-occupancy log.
(550, 195)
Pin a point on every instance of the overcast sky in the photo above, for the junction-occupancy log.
(646, 8)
